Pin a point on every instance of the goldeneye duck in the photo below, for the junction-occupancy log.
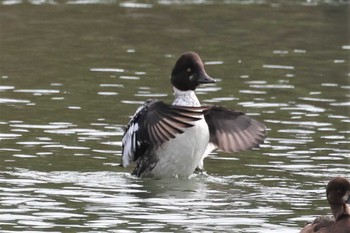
(172, 140)
(338, 195)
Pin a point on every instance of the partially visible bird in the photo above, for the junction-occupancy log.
(338, 195)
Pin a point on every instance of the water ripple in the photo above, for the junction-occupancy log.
(8, 100)
(113, 70)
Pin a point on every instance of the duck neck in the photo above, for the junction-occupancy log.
(185, 98)
(346, 209)
(339, 211)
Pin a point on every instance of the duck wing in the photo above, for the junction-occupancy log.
(153, 124)
(233, 131)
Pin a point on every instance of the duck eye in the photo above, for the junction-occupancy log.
(189, 70)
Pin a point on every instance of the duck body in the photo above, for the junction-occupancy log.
(172, 140)
(180, 156)
(327, 224)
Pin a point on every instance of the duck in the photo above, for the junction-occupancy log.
(172, 140)
(338, 197)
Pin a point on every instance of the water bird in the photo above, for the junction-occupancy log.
(338, 195)
(172, 140)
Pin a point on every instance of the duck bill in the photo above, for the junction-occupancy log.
(204, 78)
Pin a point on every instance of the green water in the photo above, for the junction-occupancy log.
(72, 72)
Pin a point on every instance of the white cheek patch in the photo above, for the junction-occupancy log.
(192, 77)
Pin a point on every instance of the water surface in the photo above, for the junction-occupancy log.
(72, 73)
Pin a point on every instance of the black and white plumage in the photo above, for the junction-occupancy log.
(172, 140)
(153, 124)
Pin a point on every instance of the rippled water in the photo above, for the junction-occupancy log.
(71, 74)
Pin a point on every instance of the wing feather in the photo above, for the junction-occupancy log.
(233, 131)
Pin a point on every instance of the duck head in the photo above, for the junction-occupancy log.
(189, 72)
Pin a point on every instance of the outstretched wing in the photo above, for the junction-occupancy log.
(153, 124)
(233, 131)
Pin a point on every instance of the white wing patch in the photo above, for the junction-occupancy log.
(130, 143)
